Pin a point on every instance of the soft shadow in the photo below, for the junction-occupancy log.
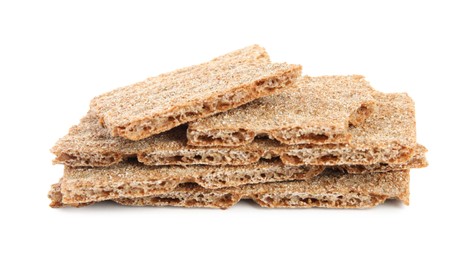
(110, 206)
(393, 204)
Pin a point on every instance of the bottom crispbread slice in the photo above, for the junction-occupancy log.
(131, 179)
(332, 189)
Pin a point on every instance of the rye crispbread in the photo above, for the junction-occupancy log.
(387, 137)
(160, 103)
(318, 111)
(85, 184)
(330, 190)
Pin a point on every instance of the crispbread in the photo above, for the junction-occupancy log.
(168, 100)
(387, 137)
(330, 190)
(84, 184)
(318, 111)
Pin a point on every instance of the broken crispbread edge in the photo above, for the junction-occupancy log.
(171, 99)
(83, 185)
(55, 196)
(361, 114)
(332, 189)
(319, 111)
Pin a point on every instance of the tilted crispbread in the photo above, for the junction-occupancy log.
(318, 111)
(330, 190)
(160, 103)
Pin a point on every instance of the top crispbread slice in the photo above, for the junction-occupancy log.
(168, 100)
(318, 111)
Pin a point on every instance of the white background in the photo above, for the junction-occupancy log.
(56, 56)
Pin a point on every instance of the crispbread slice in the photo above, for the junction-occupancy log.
(332, 190)
(318, 111)
(84, 184)
(388, 137)
(329, 190)
(168, 100)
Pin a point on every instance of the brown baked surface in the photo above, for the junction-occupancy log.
(318, 111)
(332, 189)
(161, 103)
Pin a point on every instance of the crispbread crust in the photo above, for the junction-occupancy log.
(332, 189)
(171, 99)
(318, 111)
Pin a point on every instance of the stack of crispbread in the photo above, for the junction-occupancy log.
(241, 127)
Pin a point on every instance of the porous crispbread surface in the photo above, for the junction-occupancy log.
(85, 184)
(318, 111)
(387, 136)
(168, 100)
(331, 190)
